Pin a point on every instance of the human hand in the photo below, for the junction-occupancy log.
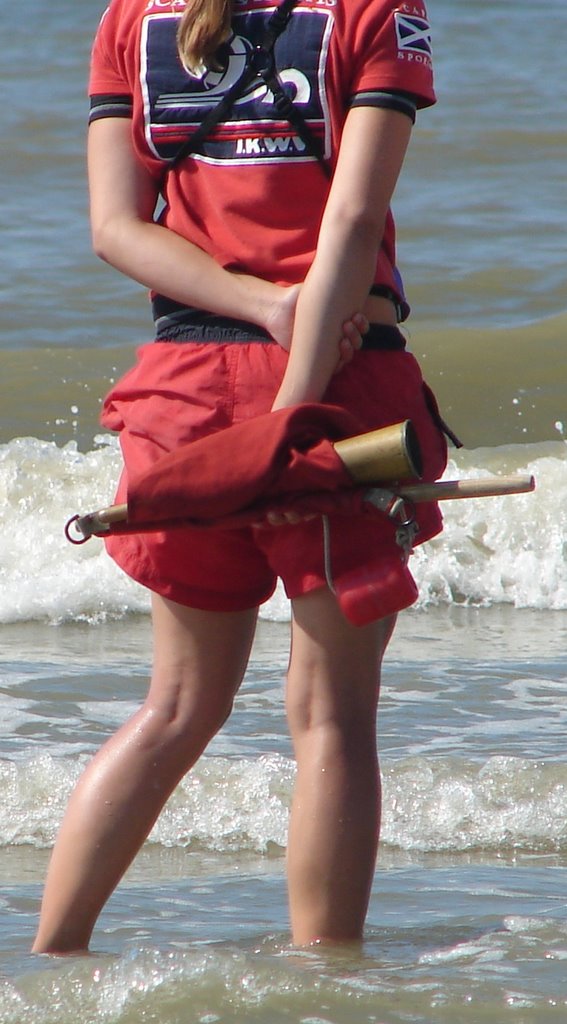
(288, 518)
(281, 316)
(352, 338)
(281, 319)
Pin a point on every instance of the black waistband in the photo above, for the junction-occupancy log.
(177, 323)
(384, 337)
(183, 324)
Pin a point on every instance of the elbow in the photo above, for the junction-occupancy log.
(99, 242)
(356, 227)
(116, 236)
(103, 240)
(365, 228)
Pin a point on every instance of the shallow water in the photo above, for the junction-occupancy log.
(468, 908)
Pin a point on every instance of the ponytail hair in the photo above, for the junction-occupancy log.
(204, 25)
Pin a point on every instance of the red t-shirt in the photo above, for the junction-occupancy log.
(253, 197)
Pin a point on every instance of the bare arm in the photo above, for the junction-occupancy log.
(122, 202)
(372, 152)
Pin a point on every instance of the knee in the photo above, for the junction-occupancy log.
(182, 720)
(341, 716)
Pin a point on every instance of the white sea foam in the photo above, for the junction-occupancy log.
(42, 574)
(493, 550)
(241, 805)
(508, 549)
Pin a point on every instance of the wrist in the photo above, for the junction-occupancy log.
(257, 299)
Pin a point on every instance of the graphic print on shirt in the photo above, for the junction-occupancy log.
(176, 101)
(414, 37)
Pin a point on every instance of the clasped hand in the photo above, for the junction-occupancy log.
(281, 319)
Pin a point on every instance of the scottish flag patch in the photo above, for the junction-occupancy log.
(413, 34)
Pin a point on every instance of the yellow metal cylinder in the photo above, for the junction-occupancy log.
(388, 454)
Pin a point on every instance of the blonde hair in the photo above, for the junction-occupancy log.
(204, 25)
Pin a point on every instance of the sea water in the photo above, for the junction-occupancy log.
(468, 916)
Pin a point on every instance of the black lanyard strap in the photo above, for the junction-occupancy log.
(286, 108)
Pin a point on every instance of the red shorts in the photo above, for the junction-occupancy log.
(177, 393)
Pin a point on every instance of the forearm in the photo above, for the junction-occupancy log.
(165, 262)
(372, 149)
(122, 201)
(336, 286)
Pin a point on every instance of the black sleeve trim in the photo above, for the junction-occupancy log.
(104, 105)
(389, 99)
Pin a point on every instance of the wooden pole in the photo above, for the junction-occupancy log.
(485, 487)
(99, 522)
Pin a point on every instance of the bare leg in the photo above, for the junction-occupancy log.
(333, 687)
(200, 658)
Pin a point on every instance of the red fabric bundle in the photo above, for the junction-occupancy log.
(285, 454)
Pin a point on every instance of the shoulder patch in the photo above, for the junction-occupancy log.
(413, 34)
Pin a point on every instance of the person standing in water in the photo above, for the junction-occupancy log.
(275, 135)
